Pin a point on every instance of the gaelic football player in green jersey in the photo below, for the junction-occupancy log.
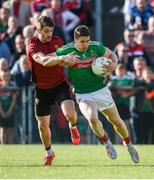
(91, 92)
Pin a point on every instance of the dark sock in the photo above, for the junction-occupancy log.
(48, 148)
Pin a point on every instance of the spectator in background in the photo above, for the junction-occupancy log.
(4, 16)
(64, 19)
(33, 19)
(72, 5)
(12, 31)
(134, 49)
(7, 109)
(21, 77)
(6, 4)
(128, 4)
(143, 112)
(13, 27)
(3, 64)
(147, 111)
(82, 8)
(139, 65)
(20, 72)
(28, 32)
(121, 85)
(87, 18)
(19, 49)
(122, 53)
(21, 11)
(152, 4)
(147, 39)
(139, 15)
(4, 49)
(39, 5)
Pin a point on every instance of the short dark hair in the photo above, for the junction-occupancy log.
(81, 31)
(121, 66)
(45, 21)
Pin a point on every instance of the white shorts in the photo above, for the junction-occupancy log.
(102, 98)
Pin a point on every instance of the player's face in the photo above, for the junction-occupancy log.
(82, 43)
(45, 34)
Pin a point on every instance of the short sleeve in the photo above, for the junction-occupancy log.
(101, 49)
(31, 48)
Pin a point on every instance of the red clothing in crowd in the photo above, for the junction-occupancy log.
(39, 5)
(16, 6)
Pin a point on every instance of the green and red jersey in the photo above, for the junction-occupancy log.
(81, 75)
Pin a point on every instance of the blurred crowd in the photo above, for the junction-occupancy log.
(132, 83)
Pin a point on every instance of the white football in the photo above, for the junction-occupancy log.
(97, 66)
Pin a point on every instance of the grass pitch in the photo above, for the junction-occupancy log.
(74, 162)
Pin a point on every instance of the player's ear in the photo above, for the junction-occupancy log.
(75, 39)
(38, 28)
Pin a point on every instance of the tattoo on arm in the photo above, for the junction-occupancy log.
(111, 55)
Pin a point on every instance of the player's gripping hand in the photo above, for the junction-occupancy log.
(70, 59)
(110, 67)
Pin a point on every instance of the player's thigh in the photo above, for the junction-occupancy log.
(68, 107)
(112, 115)
(89, 109)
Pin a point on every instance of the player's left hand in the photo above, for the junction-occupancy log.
(110, 67)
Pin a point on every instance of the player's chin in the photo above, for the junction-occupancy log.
(48, 40)
(84, 49)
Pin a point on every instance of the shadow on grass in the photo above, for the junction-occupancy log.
(79, 165)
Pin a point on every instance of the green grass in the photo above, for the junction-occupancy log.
(74, 162)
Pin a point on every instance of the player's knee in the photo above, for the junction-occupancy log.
(93, 120)
(42, 127)
(119, 124)
(70, 115)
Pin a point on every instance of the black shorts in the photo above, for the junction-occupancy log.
(44, 98)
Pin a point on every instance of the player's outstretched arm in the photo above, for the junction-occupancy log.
(47, 60)
(53, 59)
